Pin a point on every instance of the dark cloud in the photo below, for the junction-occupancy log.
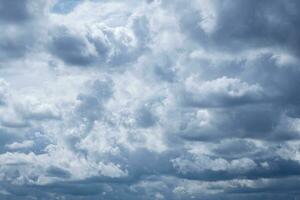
(20, 22)
(243, 24)
(14, 11)
(216, 169)
(58, 172)
(71, 48)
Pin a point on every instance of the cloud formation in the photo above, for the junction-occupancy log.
(149, 99)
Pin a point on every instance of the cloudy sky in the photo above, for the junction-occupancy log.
(149, 99)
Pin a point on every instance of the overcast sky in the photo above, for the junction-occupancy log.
(149, 99)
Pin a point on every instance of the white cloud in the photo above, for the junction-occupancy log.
(221, 91)
(20, 145)
(149, 100)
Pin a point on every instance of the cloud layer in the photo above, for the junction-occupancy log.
(153, 99)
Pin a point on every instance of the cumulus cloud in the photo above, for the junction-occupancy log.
(149, 99)
(220, 92)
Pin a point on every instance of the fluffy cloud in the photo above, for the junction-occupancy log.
(220, 92)
(149, 100)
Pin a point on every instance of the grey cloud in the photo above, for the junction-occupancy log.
(7, 137)
(3, 92)
(12, 49)
(243, 24)
(71, 48)
(14, 11)
(263, 21)
(223, 91)
(91, 103)
(255, 121)
(169, 100)
(214, 169)
(100, 44)
(20, 22)
(58, 172)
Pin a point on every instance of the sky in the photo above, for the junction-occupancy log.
(149, 99)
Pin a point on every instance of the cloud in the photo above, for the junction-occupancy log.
(149, 100)
(22, 24)
(17, 12)
(17, 145)
(3, 91)
(101, 43)
(221, 92)
(72, 49)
